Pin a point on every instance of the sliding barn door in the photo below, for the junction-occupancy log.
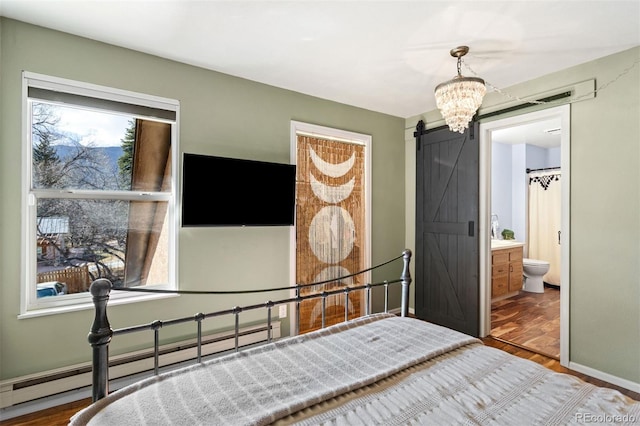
(330, 226)
(447, 248)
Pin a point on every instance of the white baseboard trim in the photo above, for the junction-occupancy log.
(44, 403)
(609, 378)
(74, 395)
(398, 311)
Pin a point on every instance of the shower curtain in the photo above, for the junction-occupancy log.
(544, 221)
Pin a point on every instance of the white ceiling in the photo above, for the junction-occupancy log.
(385, 56)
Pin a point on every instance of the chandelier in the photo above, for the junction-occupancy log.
(459, 98)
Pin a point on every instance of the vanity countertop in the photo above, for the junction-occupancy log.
(505, 244)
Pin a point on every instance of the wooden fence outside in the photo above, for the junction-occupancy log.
(76, 278)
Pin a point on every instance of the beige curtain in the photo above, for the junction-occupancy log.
(544, 221)
(329, 225)
(147, 220)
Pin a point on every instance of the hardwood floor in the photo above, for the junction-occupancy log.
(55, 416)
(529, 320)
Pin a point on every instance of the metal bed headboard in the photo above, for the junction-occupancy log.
(101, 332)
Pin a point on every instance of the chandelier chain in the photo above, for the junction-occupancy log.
(516, 98)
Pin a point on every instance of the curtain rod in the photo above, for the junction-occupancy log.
(539, 170)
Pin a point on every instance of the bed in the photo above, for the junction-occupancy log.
(381, 368)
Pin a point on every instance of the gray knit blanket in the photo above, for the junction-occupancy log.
(261, 385)
(380, 369)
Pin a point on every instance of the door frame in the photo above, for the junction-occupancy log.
(339, 135)
(563, 112)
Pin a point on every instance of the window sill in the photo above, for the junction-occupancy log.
(88, 305)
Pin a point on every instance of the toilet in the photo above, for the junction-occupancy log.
(533, 271)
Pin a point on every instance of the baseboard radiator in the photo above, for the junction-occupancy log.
(132, 365)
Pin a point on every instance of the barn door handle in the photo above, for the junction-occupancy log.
(471, 228)
(559, 233)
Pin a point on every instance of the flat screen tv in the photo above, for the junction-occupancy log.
(220, 191)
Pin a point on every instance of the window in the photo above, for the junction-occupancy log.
(99, 192)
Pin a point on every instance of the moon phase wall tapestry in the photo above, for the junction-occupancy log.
(330, 226)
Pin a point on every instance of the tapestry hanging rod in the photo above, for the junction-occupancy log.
(539, 170)
(330, 138)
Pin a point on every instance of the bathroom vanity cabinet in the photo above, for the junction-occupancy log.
(506, 271)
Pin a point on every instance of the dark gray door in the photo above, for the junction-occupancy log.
(447, 249)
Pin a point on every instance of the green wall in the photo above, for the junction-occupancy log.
(220, 115)
(604, 308)
(605, 221)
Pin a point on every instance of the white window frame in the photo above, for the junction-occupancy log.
(31, 306)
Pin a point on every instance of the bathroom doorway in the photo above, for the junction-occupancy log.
(509, 147)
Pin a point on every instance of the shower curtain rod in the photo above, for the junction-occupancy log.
(539, 170)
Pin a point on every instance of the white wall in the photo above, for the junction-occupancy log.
(509, 182)
(501, 194)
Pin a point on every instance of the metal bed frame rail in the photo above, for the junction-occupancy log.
(101, 331)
